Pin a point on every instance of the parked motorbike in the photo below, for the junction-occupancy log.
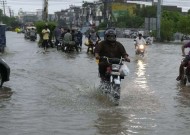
(140, 50)
(186, 76)
(114, 74)
(4, 72)
(33, 38)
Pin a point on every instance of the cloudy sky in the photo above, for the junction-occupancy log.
(57, 5)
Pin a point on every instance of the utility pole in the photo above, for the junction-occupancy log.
(158, 19)
(105, 10)
(3, 2)
(10, 12)
(45, 11)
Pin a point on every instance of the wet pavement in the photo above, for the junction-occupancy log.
(56, 93)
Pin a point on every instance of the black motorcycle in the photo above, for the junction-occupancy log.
(186, 76)
(111, 84)
(4, 72)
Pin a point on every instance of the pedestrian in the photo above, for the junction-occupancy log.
(74, 39)
(79, 38)
(46, 34)
(57, 35)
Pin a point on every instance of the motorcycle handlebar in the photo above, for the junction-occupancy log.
(107, 58)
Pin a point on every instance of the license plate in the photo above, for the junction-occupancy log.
(115, 73)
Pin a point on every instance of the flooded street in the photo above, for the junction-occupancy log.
(56, 93)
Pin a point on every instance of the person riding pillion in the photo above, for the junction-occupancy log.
(111, 48)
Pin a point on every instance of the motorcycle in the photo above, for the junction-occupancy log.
(60, 44)
(149, 41)
(91, 46)
(33, 38)
(112, 84)
(4, 72)
(140, 49)
(70, 47)
(186, 76)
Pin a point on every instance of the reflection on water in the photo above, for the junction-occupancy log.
(62, 99)
(141, 78)
(110, 122)
(183, 95)
(5, 92)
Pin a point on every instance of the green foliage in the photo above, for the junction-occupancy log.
(40, 25)
(9, 21)
(184, 24)
(102, 26)
(148, 11)
(174, 22)
(167, 30)
(129, 21)
(188, 12)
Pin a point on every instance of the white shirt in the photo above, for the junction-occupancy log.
(140, 41)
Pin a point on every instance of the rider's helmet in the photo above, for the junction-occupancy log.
(110, 35)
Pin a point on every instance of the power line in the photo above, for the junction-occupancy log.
(3, 2)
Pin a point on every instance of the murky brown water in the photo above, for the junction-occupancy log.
(55, 93)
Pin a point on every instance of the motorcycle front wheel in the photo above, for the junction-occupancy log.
(184, 80)
(116, 91)
(1, 79)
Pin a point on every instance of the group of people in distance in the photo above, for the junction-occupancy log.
(62, 35)
(109, 47)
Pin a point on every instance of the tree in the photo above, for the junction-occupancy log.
(40, 25)
(148, 11)
(130, 21)
(167, 29)
(184, 24)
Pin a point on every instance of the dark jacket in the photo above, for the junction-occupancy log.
(79, 36)
(107, 49)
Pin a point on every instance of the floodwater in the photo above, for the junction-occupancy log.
(56, 93)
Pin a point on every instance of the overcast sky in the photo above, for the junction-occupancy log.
(57, 5)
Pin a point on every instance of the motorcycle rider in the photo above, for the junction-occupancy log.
(57, 35)
(67, 37)
(140, 40)
(110, 48)
(33, 33)
(185, 62)
(93, 38)
(79, 36)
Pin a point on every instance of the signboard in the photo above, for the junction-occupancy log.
(119, 9)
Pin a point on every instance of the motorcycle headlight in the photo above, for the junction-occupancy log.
(141, 46)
